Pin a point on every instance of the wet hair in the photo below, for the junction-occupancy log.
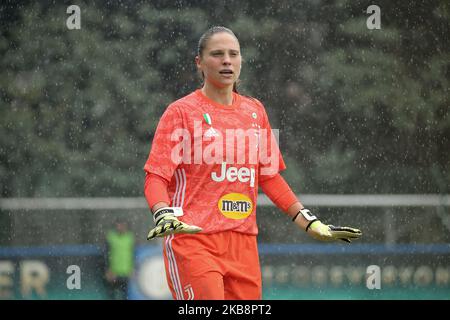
(204, 41)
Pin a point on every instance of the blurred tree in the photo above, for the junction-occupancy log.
(78, 107)
(387, 91)
(358, 110)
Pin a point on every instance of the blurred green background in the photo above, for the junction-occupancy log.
(359, 111)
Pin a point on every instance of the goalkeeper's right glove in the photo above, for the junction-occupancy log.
(323, 232)
(167, 223)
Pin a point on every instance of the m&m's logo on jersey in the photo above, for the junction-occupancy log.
(235, 206)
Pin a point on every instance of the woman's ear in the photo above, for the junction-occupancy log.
(242, 61)
(197, 61)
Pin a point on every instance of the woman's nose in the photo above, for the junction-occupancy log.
(226, 59)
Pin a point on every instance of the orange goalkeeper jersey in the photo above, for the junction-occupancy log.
(214, 155)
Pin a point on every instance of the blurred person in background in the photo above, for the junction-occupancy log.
(119, 259)
(203, 200)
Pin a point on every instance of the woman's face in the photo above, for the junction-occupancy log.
(220, 60)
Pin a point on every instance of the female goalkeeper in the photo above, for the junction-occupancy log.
(211, 151)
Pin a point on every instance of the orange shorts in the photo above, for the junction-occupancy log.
(218, 266)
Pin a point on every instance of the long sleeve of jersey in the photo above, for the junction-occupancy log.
(279, 192)
(155, 189)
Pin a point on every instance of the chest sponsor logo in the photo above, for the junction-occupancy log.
(232, 174)
(235, 206)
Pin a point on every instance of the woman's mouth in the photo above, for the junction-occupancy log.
(226, 73)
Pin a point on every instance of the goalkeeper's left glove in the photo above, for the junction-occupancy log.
(324, 232)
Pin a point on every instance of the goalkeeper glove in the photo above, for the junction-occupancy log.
(167, 223)
(324, 232)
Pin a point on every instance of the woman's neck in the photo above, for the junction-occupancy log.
(220, 95)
